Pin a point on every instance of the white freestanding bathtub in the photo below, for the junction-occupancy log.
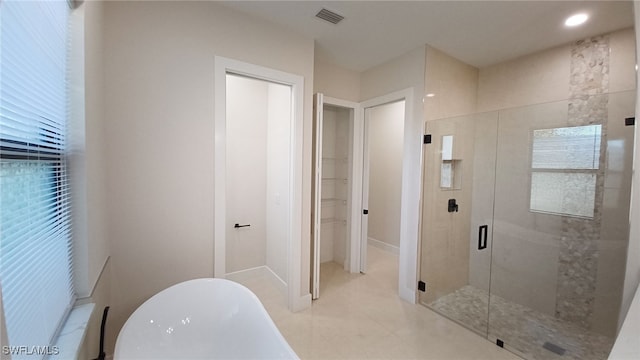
(202, 319)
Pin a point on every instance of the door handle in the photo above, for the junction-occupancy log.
(237, 226)
(482, 237)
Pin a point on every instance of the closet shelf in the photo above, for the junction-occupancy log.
(328, 201)
(333, 220)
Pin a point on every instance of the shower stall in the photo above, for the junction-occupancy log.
(525, 223)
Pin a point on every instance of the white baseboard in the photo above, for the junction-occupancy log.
(260, 271)
(383, 245)
(301, 303)
(245, 274)
(276, 280)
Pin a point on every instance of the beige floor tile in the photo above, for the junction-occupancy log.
(360, 316)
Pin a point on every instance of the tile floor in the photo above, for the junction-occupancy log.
(522, 328)
(361, 317)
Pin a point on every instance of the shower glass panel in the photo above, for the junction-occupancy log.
(458, 210)
(563, 180)
(531, 253)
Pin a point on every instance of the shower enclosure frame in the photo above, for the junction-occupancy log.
(501, 156)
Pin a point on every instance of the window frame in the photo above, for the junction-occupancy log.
(567, 170)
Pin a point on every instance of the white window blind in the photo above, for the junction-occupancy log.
(35, 244)
(564, 166)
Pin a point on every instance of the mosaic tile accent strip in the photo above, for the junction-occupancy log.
(590, 66)
(578, 260)
(522, 329)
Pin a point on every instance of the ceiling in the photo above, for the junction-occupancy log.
(479, 33)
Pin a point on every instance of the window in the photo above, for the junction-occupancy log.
(35, 241)
(564, 166)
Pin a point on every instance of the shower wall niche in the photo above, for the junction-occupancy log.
(336, 184)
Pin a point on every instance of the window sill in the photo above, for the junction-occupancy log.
(73, 332)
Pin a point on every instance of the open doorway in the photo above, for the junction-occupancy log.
(409, 197)
(335, 215)
(258, 182)
(382, 185)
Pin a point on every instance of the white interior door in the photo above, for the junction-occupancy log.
(318, 108)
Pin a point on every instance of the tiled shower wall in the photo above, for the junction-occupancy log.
(584, 282)
(568, 268)
(578, 250)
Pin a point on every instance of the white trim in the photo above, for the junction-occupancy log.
(301, 303)
(222, 66)
(72, 336)
(318, 124)
(89, 298)
(352, 259)
(276, 280)
(264, 270)
(364, 195)
(411, 187)
(355, 195)
(340, 103)
(383, 245)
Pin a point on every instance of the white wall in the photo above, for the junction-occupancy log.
(278, 184)
(385, 126)
(159, 122)
(405, 72)
(336, 81)
(247, 104)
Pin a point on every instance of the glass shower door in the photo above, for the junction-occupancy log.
(560, 227)
(457, 218)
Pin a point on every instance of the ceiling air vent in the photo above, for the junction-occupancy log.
(330, 16)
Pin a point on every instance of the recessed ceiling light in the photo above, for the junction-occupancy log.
(575, 20)
(431, 95)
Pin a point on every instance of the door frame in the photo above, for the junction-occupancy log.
(223, 66)
(354, 195)
(412, 158)
(356, 158)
